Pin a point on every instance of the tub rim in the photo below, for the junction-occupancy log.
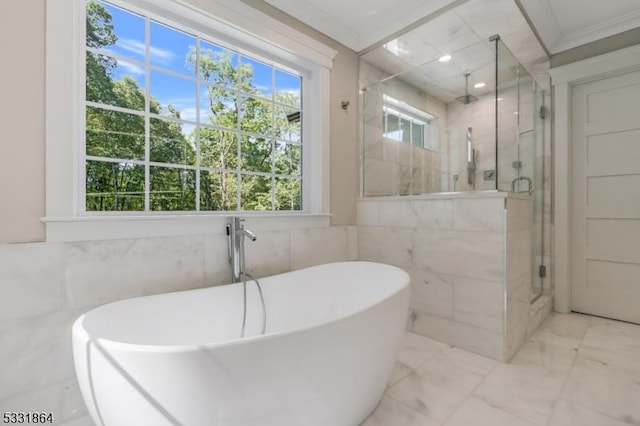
(78, 331)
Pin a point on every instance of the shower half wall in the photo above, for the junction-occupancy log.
(448, 175)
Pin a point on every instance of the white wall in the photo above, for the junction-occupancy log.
(22, 120)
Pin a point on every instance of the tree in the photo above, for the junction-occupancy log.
(219, 149)
(119, 135)
(228, 155)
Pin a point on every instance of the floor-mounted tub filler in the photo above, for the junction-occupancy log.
(176, 359)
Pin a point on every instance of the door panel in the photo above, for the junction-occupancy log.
(605, 228)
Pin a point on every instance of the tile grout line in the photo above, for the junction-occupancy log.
(471, 393)
(412, 371)
(409, 407)
(568, 374)
(573, 363)
(432, 355)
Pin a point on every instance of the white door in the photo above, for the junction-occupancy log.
(605, 228)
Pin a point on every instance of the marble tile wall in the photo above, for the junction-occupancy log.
(44, 287)
(453, 249)
(519, 266)
(468, 258)
(480, 116)
(390, 167)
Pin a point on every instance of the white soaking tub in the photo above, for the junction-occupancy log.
(177, 359)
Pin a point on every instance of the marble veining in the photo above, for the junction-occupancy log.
(432, 292)
(35, 352)
(99, 272)
(31, 280)
(441, 384)
(574, 370)
(387, 245)
(439, 250)
(393, 412)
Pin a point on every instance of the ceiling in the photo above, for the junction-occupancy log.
(359, 24)
(405, 38)
(565, 24)
(561, 24)
(463, 33)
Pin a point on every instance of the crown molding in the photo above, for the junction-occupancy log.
(598, 31)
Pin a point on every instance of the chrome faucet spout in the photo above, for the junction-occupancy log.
(249, 234)
(236, 232)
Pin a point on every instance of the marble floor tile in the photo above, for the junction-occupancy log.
(528, 390)
(400, 371)
(471, 362)
(550, 347)
(605, 388)
(394, 413)
(613, 342)
(81, 421)
(569, 327)
(477, 412)
(576, 370)
(46, 399)
(570, 414)
(417, 349)
(442, 384)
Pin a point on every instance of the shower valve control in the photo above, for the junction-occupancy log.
(489, 174)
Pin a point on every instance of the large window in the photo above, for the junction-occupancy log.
(405, 123)
(175, 121)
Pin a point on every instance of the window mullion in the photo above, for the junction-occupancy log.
(197, 129)
(239, 107)
(147, 116)
(273, 140)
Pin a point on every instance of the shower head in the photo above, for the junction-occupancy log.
(466, 98)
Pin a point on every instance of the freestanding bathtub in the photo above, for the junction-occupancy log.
(176, 359)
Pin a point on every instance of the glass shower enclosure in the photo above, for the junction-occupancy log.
(470, 121)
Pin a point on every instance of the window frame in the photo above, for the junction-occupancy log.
(413, 115)
(239, 26)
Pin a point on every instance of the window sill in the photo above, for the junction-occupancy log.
(88, 228)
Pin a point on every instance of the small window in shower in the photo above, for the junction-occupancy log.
(405, 123)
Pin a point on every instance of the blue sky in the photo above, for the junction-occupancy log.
(169, 49)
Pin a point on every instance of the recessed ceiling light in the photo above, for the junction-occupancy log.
(394, 47)
(479, 85)
(445, 58)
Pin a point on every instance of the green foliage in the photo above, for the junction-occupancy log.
(119, 185)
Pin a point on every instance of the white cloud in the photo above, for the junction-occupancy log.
(188, 114)
(289, 91)
(137, 47)
(130, 68)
